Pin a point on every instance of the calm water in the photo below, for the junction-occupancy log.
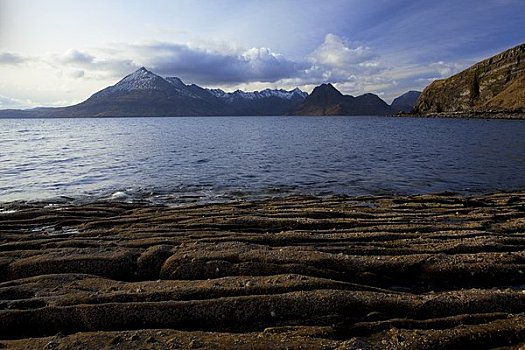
(195, 159)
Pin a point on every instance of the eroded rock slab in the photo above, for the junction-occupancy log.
(418, 272)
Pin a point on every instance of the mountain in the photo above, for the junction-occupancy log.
(327, 100)
(406, 102)
(271, 102)
(496, 84)
(146, 94)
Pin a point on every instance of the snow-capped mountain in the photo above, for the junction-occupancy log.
(144, 80)
(144, 93)
(271, 102)
(140, 80)
(231, 97)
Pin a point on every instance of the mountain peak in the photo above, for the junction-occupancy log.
(146, 93)
(325, 94)
(325, 99)
(141, 72)
(326, 90)
(141, 79)
(231, 97)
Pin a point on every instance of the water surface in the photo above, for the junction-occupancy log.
(215, 158)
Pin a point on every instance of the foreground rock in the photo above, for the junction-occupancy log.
(493, 87)
(420, 272)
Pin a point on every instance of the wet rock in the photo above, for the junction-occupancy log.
(117, 340)
(51, 345)
(316, 273)
(196, 344)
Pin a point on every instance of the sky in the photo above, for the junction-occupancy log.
(59, 52)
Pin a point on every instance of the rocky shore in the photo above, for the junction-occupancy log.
(517, 115)
(421, 272)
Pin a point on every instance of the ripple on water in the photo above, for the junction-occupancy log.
(206, 158)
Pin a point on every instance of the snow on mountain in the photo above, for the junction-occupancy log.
(217, 92)
(181, 88)
(144, 80)
(176, 82)
(141, 79)
(231, 97)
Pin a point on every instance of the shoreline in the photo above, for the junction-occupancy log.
(410, 272)
(498, 115)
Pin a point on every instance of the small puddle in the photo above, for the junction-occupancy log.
(367, 205)
(54, 231)
(7, 211)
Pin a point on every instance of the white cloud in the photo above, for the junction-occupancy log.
(338, 52)
(205, 66)
(354, 68)
(78, 64)
(445, 69)
(77, 57)
(14, 103)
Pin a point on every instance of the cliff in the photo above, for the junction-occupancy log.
(496, 84)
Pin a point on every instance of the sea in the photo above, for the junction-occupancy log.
(214, 159)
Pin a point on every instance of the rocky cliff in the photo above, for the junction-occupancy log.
(495, 84)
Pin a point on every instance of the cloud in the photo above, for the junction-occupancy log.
(11, 58)
(206, 66)
(192, 64)
(355, 68)
(75, 73)
(79, 64)
(335, 60)
(445, 69)
(77, 57)
(335, 51)
(14, 103)
(339, 60)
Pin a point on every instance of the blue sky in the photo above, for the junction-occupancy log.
(59, 52)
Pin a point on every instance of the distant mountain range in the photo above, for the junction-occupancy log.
(146, 94)
(494, 85)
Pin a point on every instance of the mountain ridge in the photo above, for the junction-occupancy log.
(493, 85)
(146, 94)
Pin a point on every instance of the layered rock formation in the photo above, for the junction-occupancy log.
(496, 84)
(420, 272)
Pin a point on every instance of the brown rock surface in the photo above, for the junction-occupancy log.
(419, 272)
(492, 86)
